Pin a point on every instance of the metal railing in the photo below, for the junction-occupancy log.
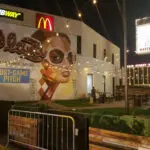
(42, 131)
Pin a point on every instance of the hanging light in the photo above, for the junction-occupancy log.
(79, 14)
(94, 2)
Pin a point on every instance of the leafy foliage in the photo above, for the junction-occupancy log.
(129, 125)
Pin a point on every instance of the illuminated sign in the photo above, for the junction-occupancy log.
(142, 37)
(11, 14)
(44, 22)
(9, 75)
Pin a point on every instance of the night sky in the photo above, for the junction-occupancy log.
(109, 12)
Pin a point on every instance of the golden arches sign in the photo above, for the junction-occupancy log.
(45, 21)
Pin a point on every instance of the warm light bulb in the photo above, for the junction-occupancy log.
(57, 34)
(79, 15)
(67, 25)
(94, 2)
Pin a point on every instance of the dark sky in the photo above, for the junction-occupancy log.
(109, 12)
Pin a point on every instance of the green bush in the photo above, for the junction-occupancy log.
(127, 124)
(138, 127)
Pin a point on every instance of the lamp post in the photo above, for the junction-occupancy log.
(125, 56)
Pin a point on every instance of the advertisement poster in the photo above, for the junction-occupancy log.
(34, 64)
(143, 38)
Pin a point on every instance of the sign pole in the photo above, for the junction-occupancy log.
(125, 56)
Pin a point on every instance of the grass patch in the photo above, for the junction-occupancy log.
(117, 111)
(74, 103)
(104, 111)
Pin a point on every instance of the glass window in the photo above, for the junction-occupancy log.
(94, 50)
(78, 44)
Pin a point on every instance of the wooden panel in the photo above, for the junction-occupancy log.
(99, 135)
(23, 129)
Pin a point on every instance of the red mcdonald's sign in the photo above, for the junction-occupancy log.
(44, 22)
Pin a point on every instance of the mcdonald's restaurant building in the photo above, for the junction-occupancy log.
(97, 59)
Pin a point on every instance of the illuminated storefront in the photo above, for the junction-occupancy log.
(138, 75)
(96, 57)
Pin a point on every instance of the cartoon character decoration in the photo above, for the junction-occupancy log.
(50, 49)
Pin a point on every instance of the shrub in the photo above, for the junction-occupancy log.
(127, 124)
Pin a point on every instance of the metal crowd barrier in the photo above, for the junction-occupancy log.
(42, 131)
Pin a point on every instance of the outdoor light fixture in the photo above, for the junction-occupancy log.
(79, 15)
(94, 2)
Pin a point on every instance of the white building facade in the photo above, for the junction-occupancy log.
(98, 60)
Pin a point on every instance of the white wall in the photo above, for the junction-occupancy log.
(89, 37)
(96, 67)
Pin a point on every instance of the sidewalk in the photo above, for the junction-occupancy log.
(118, 104)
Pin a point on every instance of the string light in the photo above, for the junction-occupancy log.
(57, 34)
(48, 41)
(79, 14)
(94, 2)
(67, 25)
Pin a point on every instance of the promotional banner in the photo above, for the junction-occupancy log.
(142, 36)
(10, 75)
(34, 64)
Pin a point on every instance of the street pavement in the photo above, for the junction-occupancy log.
(119, 104)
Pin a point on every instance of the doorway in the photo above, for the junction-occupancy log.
(89, 83)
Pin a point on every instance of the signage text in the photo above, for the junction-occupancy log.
(9, 75)
(11, 14)
(44, 22)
